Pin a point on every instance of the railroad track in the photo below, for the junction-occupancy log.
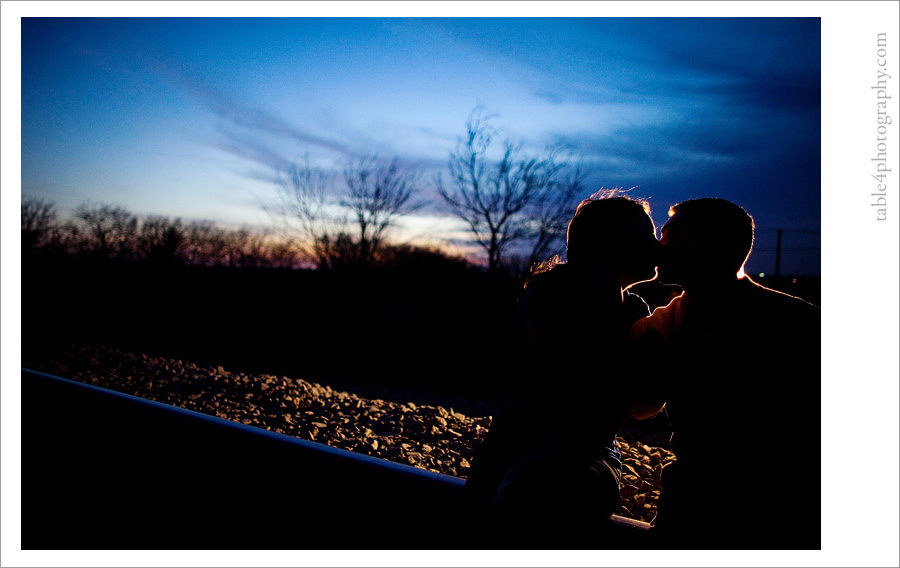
(107, 470)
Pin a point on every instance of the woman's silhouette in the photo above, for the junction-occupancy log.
(548, 473)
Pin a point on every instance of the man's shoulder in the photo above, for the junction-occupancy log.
(778, 300)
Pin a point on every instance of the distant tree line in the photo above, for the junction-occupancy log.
(111, 234)
(515, 206)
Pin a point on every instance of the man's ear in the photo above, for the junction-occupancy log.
(703, 251)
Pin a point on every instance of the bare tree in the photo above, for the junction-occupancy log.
(304, 210)
(549, 215)
(205, 244)
(161, 240)
(248, 248)
(494, 199)
(281, 254)
(38, 222)
(377, 195)
(106, 231)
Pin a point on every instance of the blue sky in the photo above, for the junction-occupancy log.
(191, 117)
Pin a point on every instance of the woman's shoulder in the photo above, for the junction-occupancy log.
(549, 278)
(634, 307)
(545, 290)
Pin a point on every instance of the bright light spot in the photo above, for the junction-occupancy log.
(794, 281)
(741, 273)
(762, 274)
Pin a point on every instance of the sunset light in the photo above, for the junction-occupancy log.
(194, 117)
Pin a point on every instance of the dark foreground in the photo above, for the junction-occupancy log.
(430, 435)
(102, 470)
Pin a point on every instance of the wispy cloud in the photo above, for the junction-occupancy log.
(243, 122)
(246, 147)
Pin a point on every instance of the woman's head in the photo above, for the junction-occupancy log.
(616, 234)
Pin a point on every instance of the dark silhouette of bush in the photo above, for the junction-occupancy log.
(161, 241)
(424, 258)
(42, 236)
(38, 223)
(105, 232)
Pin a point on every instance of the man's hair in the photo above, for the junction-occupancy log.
(727, 226)
(600, 225)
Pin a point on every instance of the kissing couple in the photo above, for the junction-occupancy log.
(735, 367)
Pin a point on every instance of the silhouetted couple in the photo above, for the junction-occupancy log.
(735, 365)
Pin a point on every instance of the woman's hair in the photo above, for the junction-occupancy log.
(598, 228)
(600, 225)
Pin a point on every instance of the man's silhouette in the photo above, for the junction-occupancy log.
(738, 365)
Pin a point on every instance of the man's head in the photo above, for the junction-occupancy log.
(705, 240)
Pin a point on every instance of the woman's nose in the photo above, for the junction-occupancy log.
(658, 249)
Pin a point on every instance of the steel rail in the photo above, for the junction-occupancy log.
(107, 470)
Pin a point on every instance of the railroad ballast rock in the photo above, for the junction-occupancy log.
(432, 437)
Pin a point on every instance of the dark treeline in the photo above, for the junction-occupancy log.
(440, 328)
(414, 318)
(411, 316)
(111, 234)
(108, 234)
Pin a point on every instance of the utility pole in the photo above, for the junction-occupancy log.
(778, 255)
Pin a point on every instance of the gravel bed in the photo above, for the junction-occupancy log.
(427, 436)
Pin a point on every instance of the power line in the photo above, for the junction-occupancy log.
(787, 249)
(798, 230)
